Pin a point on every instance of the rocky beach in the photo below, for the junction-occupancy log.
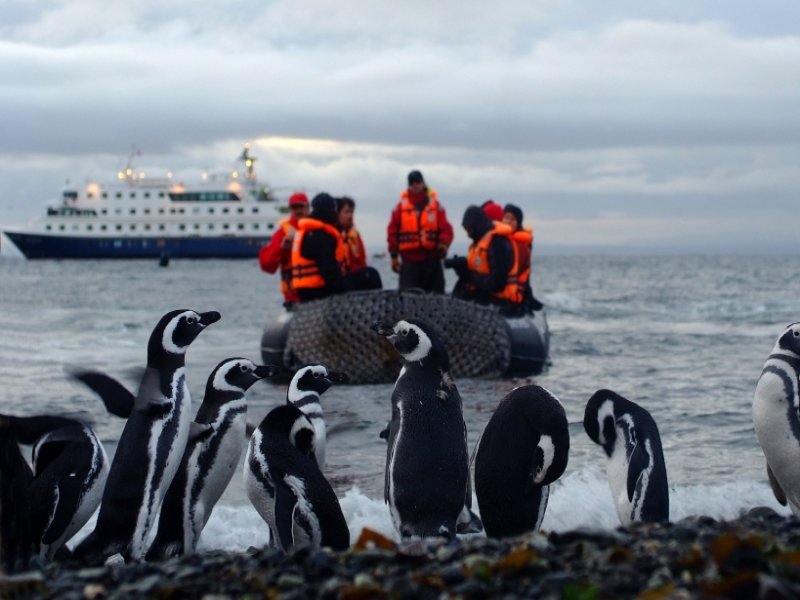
(755, 556)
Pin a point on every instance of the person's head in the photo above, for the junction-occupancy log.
(347, 207)
(475, 222)
(415, 181)
(323, 207)
(493, 210)
(298, 205)
(512, 215)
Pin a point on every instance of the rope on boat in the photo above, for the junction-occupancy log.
(337, 332)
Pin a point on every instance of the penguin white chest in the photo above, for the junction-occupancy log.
(617, 471)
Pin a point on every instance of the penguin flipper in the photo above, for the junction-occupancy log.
(302, 531)
(200, 431)
(69, 493)
(117, 398)
(780, 495)
(391, 438)
(28, 430)
(636, 466)
(284, 516)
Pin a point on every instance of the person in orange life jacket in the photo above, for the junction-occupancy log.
(489, 274)
(512, 216)
(278, 252)
(418, 237)
(318, 256)
(356, 257)
(493, 210)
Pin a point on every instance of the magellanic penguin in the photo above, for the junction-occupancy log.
(18, 544)
(636, 470)
(70, 467)
(522, 450)
(427, 465)
(776, 417)
(151, 445)
(305, 389)
(287, 487)
(209, 460)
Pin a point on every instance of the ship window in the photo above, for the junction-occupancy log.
(117, 211)
(181, 211)
(225, 210)
(132, 194)
(147, 211)
(161, 227)
(211, 210)
(161, 211)
(240, 210)
(256, 226)
(89, 228)
(172, 211)
(61, 228)
(103, 211)
(132, 227)
(255, 210)
(210, 226)
(89, 195)
(182, 227)
(49, 227)
(240, 227)
(226, 226)
(105, 194)
(118, 227)
(161, 194)
(133, 211)
(118, 194)
(197, 225)
(74, 227)
(270, 225)
(103, 227)
(147, 226)
(147, 194)
(196, 210)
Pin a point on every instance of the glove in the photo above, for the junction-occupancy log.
(442, 250)
(456, 262)
(395, 264)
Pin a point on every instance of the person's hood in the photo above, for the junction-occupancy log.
(323, 207)
(476, 223)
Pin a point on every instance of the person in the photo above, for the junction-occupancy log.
(318, 256)
(493, 210)
(355, 255)
(488, 274)
(418, 237)
(278, 252)
(523, 237)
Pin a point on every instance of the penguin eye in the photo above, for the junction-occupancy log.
(191, 320)
(317, 375)
(796, 333)
(244, 368)
(404, 332)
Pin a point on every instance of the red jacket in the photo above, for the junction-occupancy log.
(355, 255)
(445, 233)
(272, 256)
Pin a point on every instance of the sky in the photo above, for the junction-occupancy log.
(618, 126)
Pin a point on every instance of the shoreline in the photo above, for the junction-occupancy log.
(697, 556)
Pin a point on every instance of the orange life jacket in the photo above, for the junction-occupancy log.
(478, 262)
(524, 240)
(305, 272)
(418, 230)
(353, 249)
(286, 260)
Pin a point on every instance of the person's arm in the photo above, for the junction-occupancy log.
(445, 233)
(269, 257)
(361, 260)
(501, 257)
(392, 233)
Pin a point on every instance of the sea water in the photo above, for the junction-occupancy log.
(683, 336)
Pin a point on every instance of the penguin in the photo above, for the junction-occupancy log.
(305, 389)
(636, 470)
(286, 486)
(522, 450)
(776, 417)
(70, 467)
(151, 445)
(426, 481)
(209, 461)
(18, 545)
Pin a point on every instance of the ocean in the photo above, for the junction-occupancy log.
(683, 336)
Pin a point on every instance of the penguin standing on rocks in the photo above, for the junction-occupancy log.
(210, 460)
(151, 445)
(287, 487)
(636, 470)
(776, 417)
(304, 392)
(427, 465)
(523, 449)
(70, 467)
(17, 541)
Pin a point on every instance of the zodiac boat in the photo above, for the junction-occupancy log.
(337, 332)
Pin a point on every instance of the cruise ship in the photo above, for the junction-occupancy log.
(222, 216)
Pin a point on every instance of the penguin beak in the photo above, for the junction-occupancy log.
(263, 371)
(207, 318)
(383, 329)
(338, 377)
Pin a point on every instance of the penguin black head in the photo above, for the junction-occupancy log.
(599, 418)
(546, 415)
(789, 340)
(288, 421)
(416, 341)
(236, 375)
(177, 330)
(313, 378)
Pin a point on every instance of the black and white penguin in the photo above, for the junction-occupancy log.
(70, 467)
(151, 445)
(305, 389)
(636, 470)
(522, 450)
(287, 487)
(427, 464)
(210, 460)
(18, 544)
(776, 417)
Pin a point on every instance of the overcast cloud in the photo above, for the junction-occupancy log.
(616, 126)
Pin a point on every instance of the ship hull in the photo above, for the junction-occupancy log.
(35, 246)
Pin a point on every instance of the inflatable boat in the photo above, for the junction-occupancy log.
(337, 332)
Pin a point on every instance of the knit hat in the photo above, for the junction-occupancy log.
(493, 210)
(323, 207)
(514, 210)
(415, 177)
(298, 198)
